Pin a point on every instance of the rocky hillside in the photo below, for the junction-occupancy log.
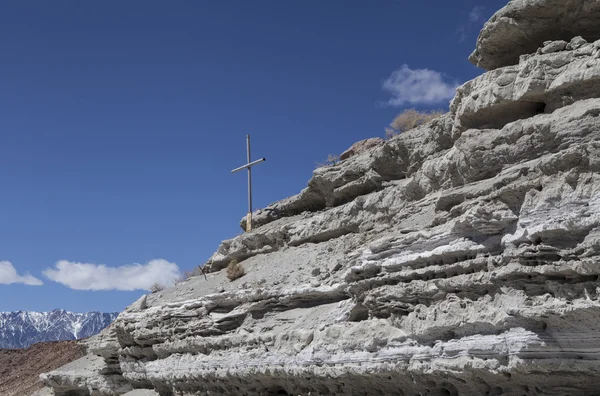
(459, 258)
(21, 329)
(20, 368)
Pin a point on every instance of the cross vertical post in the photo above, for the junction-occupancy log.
(249, 216)
(249, 166)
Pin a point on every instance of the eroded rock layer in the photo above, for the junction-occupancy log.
(459, 258)
(521, 26)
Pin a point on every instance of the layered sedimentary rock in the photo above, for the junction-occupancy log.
(560, 74)
(522, 25)
(459, 258)
(360, 147)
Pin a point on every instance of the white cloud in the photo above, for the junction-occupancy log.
(8, 275)
(420, 86)
(476, 18)
(476, 14)
(85, 276)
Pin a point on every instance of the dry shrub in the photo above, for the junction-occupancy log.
(189, 274)
(235, 270)
(155, 288)
(183, 277)
(410, 119)
(332, 159)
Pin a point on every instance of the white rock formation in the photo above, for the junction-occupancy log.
(360, 147)
(521, 26)
(459, 258)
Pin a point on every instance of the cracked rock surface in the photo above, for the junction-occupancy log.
(523, 25)
(458, 258)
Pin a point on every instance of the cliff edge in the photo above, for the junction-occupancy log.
(458, 258)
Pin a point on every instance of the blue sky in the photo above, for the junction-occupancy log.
(121, 120)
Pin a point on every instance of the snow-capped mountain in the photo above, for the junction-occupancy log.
(21, 329)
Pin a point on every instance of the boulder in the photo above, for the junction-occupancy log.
(540, 83)
(522, 26)
(553, 46)
(85, 376)
(360, 147)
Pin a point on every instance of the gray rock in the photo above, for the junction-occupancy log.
(522, 26)
(86, 376)
(141, 392)
(336, 184)
(140, 304)
(576, 42)
(540, 83)
(553, 46)
(46, 391)
(361, 174)
(462, 258)
(307, 200)
(360, 147)
(493, 262)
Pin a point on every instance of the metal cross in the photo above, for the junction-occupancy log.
(249, 166)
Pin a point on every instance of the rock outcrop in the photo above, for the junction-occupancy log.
(523, 25)
(458, 258)
(560, 74)
(360, 147)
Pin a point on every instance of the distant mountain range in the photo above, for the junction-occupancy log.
(21, 329)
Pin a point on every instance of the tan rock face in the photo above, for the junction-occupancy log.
(458, 258)
(360, 147)
(20, 368)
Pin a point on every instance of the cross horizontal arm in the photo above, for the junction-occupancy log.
(249, 165)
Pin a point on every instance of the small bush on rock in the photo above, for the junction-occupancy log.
(332, 159)
(198, 271)
(235, 270)
(410, 119)
(155, 288)
(183, 277)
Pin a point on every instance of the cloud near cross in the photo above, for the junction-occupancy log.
(418, 87)
(88, 276)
